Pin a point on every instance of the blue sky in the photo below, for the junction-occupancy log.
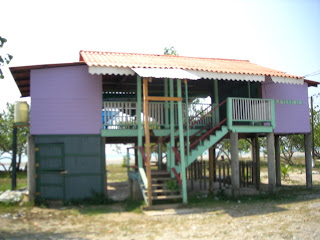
(282, 34)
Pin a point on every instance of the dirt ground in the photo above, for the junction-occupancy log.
(296, 217)
(299, 219)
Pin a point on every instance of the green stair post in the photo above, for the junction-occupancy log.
(181, 140)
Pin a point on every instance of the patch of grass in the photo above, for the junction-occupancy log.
(116, 173)
(133, 206)
(289, 194)
(95, 210)
(14, 207)
(5, 181)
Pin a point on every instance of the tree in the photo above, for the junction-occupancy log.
(6, 126)
(170, 51)
(316, 131)
(4, 59)
(244, 145)
(289, 145)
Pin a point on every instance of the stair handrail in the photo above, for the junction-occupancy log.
(200, 112)
(208, 133)
(177, 176)
(213, 109)
(192, 125)
(141, 170)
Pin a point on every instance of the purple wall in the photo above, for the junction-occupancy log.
(65, 100)
(291, 116)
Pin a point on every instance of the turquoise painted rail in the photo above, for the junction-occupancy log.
(122, 114)
(247, 113)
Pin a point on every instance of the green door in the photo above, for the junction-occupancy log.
(50, 171)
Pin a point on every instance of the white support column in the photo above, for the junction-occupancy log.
(235, 174)
(271, 163)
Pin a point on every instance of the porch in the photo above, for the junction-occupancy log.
(245, 115)
(180, 128)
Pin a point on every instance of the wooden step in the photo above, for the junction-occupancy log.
(159, 184)
(166, 197)
(162, 191)
(161, 179)
(160, 172)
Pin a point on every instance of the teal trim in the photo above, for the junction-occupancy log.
(229, 113)
(166, 104)
(122, 133)
(181, 142)
(168, 155)
(172, 127)
(273, 113)
(256, 121)
(216, 99)
(140, 132)
(166, 132)
(143, 177)
(187, 117)
(213, 139)
(251, 129)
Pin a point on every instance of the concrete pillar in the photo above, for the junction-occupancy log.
(235, 173)
(104, 163)
(254, 160)
(257, 160)
(271, 163)
(277, 157)
(31, 170)
(134, 190)
(308, 160)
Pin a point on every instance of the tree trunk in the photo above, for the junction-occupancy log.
(19, 162)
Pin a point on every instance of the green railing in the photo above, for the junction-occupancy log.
(122, 114)
(250, 112)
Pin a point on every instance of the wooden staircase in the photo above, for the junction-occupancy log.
(160, 192)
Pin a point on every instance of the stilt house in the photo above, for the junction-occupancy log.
(150, 101)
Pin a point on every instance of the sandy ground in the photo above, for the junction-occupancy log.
(299, 219)
(292, 218)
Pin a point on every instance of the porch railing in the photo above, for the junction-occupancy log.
(240, 111)
(248, 111)
(122, 115)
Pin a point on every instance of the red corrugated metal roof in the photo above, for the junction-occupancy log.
(134, 60)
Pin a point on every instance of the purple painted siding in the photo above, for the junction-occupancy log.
(290, 118)
(65, 100)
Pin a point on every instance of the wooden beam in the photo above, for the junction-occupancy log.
(147, 137)
(177, 99)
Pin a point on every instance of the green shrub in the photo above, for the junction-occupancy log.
(285, 170)
(173, 185)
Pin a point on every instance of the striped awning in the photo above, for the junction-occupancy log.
(165, 73)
